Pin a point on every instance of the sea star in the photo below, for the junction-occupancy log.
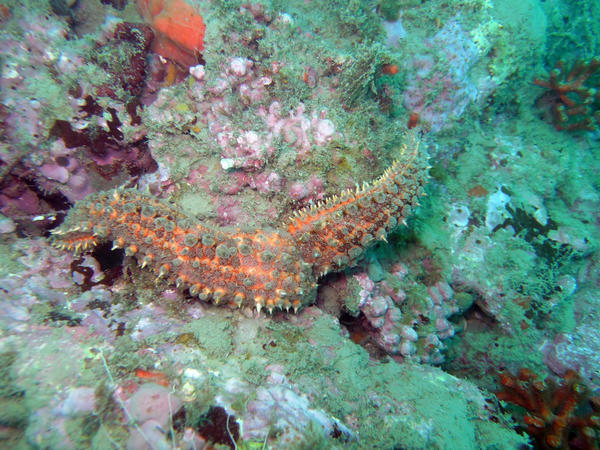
(270, 268)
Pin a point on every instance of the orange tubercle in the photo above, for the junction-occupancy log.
(413, 120)
(5, 13)
(390, 69)
(478, 191)
(152, 376)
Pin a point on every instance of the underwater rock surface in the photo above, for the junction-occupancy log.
(244, 153)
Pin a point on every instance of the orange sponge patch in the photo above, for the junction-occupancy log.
(180, 23)
(179, 28)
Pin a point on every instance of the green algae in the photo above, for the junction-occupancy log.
(8, 260)
(320, 359)
(35, 378)
(343, 22)
(389, 9)
(575, 35)
(14, 414)
(337, 50)
(212, 334)
(125, 358)
(346, 378)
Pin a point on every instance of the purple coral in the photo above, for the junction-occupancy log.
(409, 325)
(61, 144)
(440, 93)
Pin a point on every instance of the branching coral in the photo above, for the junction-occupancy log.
(574, 95)
(556, 415)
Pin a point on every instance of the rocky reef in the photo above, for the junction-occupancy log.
(364, 224)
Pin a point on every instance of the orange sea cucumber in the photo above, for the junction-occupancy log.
(265, 268)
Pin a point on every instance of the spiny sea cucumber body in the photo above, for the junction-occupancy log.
(270, 268)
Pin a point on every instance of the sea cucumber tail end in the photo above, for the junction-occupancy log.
(334, 234)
